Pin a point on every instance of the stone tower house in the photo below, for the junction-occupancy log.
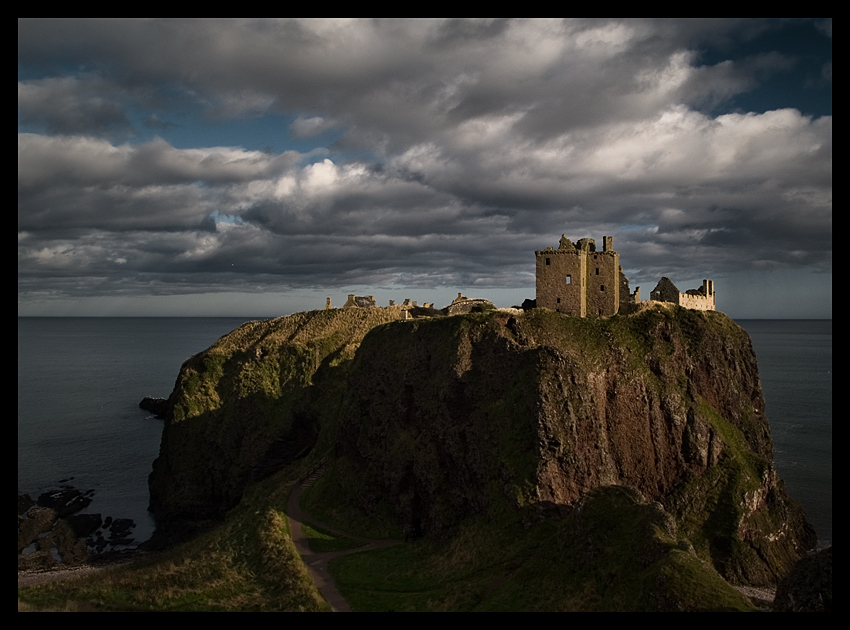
(578, 280)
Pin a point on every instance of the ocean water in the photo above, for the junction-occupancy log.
(795, 365)
(80, 381)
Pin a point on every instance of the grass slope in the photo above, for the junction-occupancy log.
(611, 554)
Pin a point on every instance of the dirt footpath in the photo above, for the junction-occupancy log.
(317, 562)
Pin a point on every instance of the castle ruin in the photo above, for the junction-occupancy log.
(462, 304)
(357, 301)
(577, 280)
(368, 301)
(574, 279)
(701, 299)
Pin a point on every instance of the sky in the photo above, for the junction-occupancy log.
(255, 167)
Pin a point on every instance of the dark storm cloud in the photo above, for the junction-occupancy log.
(69, 106)
(486, 139)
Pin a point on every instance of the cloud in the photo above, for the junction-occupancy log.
(460, 146)
(69, 106)
(309, 127)
(81, 183)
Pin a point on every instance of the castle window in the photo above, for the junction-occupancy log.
(548, 261)
(602, 287)
(569, 279)
(597, 271)
(559, 300)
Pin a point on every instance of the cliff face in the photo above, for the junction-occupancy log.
(492, 414)
(250, 404)
(462, 416)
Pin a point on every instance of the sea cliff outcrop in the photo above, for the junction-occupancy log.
(478, 414)
(251, 403)
(437, 420)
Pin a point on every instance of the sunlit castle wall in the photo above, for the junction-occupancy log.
(577, 280)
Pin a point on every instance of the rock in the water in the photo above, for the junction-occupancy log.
(84, 524)
(450, 418)
(66, 501)
(36, 522)
(157, 406)
(121, 526)
(53, 532)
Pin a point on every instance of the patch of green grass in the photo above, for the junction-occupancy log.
(611, 554)
(425, 575)
(326, 501)
(321, 540)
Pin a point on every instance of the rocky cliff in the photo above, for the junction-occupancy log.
(250, 404)
(439, 419)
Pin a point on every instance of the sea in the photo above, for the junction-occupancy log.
(80, 381)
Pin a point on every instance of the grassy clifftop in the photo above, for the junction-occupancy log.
(250, 404)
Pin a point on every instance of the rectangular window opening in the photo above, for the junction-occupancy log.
(548, 261)
(569, 279)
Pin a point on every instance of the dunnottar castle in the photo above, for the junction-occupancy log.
(576, 280)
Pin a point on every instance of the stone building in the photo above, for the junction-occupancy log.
(702, 299)
(578, 280)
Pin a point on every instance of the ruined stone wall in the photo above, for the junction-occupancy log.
(665, 291)
(466, 305)
(702, 299)
(627, 296)
(603, 283)
(358, 301)
(698, 302)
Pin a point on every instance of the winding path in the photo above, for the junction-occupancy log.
(317, 562)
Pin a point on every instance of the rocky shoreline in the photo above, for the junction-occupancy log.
(52, 531)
